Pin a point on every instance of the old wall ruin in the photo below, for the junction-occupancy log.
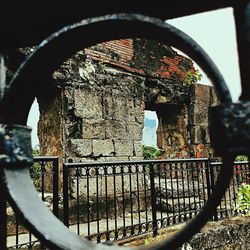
(103, 92)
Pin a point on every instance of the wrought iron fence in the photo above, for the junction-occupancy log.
(229, 200)
(44, 173)
(113, 201)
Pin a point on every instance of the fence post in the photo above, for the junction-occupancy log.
(43, 170)
(210, 184)
(153, 199)
(211, 170)
(55, 186)
(65, 195)
(207, 173)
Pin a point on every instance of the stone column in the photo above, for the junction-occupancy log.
(171, 132)
(202, 97)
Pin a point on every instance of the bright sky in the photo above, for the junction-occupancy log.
(215, 32)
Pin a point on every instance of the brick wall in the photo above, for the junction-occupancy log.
(147, 58)
(117, 52)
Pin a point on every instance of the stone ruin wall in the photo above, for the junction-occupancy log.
(102, 115)
(98, 113)
(183, 129)
(102, 92)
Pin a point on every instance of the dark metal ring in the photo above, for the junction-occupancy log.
(48, 57)
(230, 127)
(15, 144)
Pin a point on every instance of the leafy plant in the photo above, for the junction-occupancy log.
(192, 77)
(241, 158)
(243, 200)
(150, 153)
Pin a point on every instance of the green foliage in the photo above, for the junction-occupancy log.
(241, 158)
(192, 77)
(36, 151)
(35, 169)
(150, 153)
(243, 200)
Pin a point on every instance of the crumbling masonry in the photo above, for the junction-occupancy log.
(101, 95)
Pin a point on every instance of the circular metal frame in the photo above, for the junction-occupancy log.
(30, 81)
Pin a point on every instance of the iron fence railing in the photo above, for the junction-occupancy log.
(229, 201)
(44, 173)
(112, 201)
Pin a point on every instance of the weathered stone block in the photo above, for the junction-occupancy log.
(173, 205)
(199, 134)
(103, 147)
(174, 188)
(139, 107)
(88, 104)
(93, 129)
(124, 148)
(136, 158)
(81, 147)
(118, 158)
(200, 114)
(135, 130)
(120, 111)
(131, 110)
(200, 93)
(108, 106)
(80, 159)
(115, 129)
(138, 149)
(73, 127)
